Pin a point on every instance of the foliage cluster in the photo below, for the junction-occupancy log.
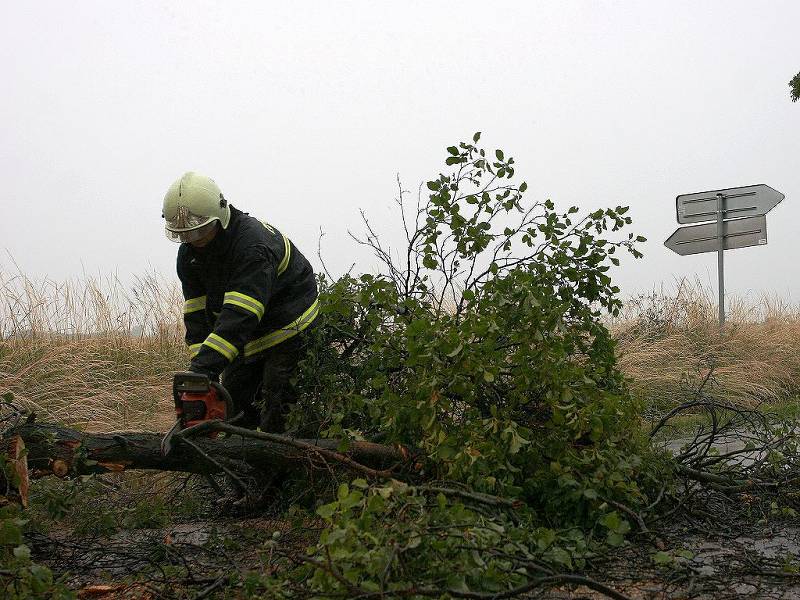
(481, 345)
(406, 541)
(90, 509)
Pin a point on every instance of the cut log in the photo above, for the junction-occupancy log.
(14, 476)
(61, 451)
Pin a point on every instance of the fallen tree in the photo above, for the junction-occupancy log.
(61, 451)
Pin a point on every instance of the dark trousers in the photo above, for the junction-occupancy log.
(262, 386)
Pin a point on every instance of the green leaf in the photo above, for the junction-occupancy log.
(10, 534)
(414, 542)
(611, 520)
(343, 491)
(561, 556)
(376, 503)
(352, 499)
(326, 510)
(455, 352)
(476, 137)
(456, 581)
(517, 442)
(488, 376)
(42, 578)
(499, 154)
(453, 150)
(615, 539)
(662, 558)
(445, 452)
(452, 160)
(22, 551)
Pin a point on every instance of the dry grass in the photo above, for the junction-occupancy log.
(97, 354)
(667, 342)
(91, 353)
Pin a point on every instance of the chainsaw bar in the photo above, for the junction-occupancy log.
(166, 441)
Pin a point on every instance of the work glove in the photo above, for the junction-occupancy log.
(197, 369)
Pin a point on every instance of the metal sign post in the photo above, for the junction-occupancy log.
(740, 222)
(721, 258)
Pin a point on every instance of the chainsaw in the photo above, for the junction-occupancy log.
(197, 399)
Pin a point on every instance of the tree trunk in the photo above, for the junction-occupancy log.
(61, 451)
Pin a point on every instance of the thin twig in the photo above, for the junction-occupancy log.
(215, 462)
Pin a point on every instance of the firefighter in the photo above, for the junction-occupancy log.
(250, 299)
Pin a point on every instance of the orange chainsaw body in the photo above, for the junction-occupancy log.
(197, 399)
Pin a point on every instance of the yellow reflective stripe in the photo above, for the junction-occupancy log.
(246, 302)
(287, 254)
(268, 227)
(194, 304)
(221, 345)
(284, 333)
(194, 349)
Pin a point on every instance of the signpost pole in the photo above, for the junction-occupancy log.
(720, 258)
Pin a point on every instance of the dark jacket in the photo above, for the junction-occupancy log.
(249, 289)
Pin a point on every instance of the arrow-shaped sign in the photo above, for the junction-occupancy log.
(747, 201)
(738, 233)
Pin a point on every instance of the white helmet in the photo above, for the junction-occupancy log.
(191, 206)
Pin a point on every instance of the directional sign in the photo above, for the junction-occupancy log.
(747, 201)
(737, 233)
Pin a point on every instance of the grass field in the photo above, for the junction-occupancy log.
(668, 342)
(92, 353)
(97, 354)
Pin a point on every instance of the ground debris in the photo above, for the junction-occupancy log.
(757, 561)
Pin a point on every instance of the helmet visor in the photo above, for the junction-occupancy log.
(185, 226)
(190, 235)
(184, 219)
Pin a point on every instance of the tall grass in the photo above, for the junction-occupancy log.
(98, 354)
(669, 340)
(93, 352)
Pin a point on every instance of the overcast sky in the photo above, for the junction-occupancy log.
(305, 112)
